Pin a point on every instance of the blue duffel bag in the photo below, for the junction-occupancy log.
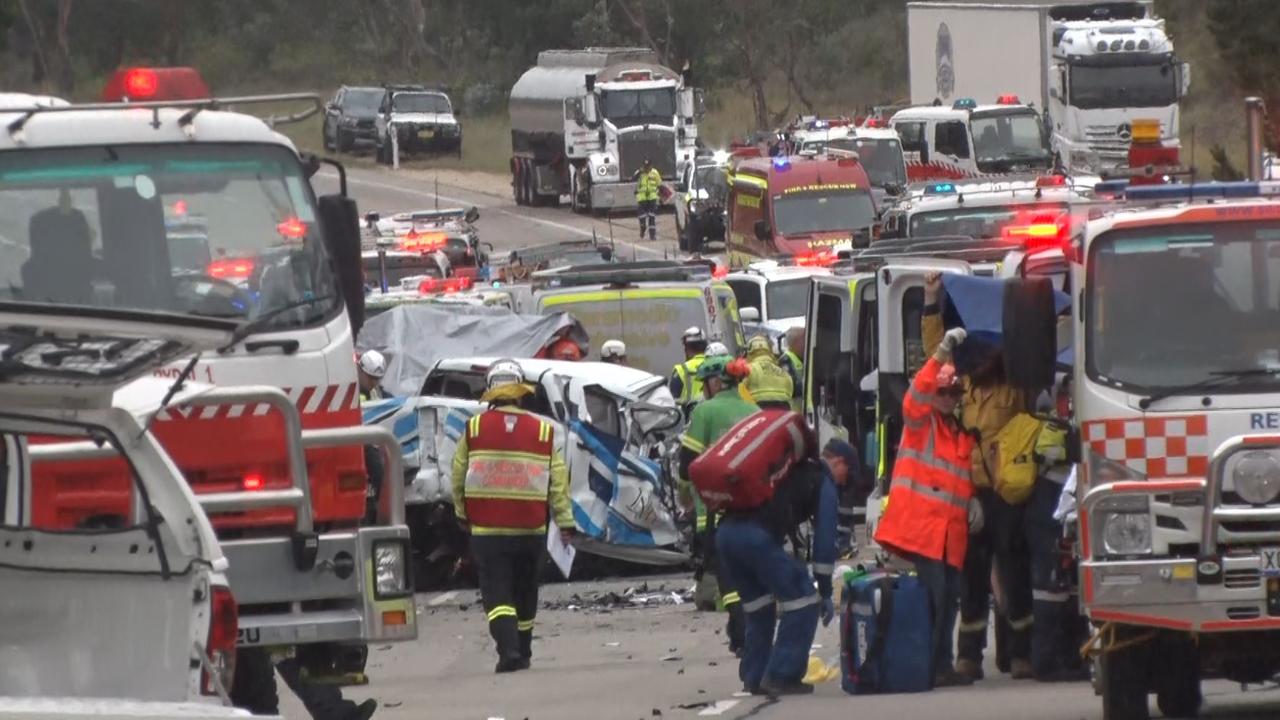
(885, 635)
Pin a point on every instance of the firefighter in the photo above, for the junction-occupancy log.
(772, 582)
(507, 474)
(723, 408)
(648, 180)
(684, 385)
(371, 367)
(767, 376)
(988, 403)
(614, 352)
(717, 349)
(929, 513)
(793, 362)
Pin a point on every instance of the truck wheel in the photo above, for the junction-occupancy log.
(1178, 689)
(254, 685)
(1122, 679)
(516, 192)
(532, 198)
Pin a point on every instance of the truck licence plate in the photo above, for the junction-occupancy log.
(1271, 561)
(426, 134)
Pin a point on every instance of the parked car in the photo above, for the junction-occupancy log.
(423, 121)
(349, 117)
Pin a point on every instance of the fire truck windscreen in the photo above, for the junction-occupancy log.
(1181, 305)
(976, 222)
(800, 213)
(211, 230)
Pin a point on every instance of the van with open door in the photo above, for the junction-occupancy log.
(119, 616)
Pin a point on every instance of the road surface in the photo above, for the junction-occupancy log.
(502, 222)
(669, 661)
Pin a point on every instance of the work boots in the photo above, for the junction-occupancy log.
(969, 669)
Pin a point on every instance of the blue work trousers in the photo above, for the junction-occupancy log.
(770, 582)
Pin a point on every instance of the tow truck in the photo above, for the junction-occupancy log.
(971, 140)
(86, 189)
(1176, 388)
(142, 606)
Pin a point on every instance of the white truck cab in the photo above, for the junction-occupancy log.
(966, 139)
(109, 619)
(773, 295)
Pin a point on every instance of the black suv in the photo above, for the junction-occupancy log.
(349, 117)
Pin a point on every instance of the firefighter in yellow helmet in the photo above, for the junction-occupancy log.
(508, 476)
(767, 376)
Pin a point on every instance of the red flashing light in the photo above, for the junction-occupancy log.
(875, 123)
(431, 286)
(1045, 181)
(145, 83)
(253, 481)
(1038, 230)
(821, 258)
(231, 268)
(180, 207)
(720, 271)
(1008, 99)
(292, 228)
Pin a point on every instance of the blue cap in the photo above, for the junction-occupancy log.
(842, 450)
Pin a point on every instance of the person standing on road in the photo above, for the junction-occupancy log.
(507, 475)
(929, 511)
(648, 180)
(771, 581)
(614, 352)
(988, 403)
(723, 408)
(371, 367)
(684, 384)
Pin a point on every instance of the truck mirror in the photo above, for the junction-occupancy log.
(340, 220)
(371, 219)
(749, 314)
(589, 114)
(473, 214)
(684, 102)
(575, 111)
(699, 104)
(1184, 78)
(763, 231)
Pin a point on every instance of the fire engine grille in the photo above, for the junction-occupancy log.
(656, 144)
(1242, 579)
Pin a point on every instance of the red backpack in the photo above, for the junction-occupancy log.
(744, 467)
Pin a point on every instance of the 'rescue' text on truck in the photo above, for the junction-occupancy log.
(584, 121)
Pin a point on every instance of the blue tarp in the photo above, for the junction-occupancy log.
(977, 304)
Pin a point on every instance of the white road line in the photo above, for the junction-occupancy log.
(519, 216)
(442, 598)
(721, 707)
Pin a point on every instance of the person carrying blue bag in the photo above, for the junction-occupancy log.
(771, 582)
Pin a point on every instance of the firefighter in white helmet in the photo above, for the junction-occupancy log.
(371, 367)
(685, 386)
(508, 478)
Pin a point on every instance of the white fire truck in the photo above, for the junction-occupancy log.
(84, 193)
(1177, 382)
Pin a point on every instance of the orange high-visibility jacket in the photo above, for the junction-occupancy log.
(929, 496)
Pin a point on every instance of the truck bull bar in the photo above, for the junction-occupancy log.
(1212, 592)
(330, 593)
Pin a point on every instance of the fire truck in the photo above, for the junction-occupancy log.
(1177, 381)
(86, 190)
(967, 139)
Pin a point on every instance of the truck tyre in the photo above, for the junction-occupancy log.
(1122, 680)
(516, 191)
(1178, 670)
(575, 197)
(254, 685)
(532, 198)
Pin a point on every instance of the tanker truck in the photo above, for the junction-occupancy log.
(583, 122)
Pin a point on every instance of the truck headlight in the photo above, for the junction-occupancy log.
(1126, 525)
(390, 569)
(602, 170)
(1257, 477)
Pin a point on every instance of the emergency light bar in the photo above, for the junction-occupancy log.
(1189, 191)
(964, 104)
(626, 273)
(165, 83)
(940, 189)
(1008, 99)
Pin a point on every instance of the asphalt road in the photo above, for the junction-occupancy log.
(670, 661)
(502, 222)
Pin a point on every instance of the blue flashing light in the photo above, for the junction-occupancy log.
(781, 162)
(1198, 191)
(964, 104)
(940, 189)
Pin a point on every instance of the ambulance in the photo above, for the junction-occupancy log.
(970, 140)
(1176, 386)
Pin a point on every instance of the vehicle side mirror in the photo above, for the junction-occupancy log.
(699, 104)
(763, 231)
(340, 221)
(371, 219)
(589, 110)
(1053, 92)
(924, 153)
(1184, 79)
(749, 314)
(473, 214)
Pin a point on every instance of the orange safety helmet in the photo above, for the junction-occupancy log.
(565, 349)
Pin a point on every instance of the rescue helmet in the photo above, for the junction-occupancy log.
(716, 348)
(373, 364)
(566, 349)
(769, 383)
(613, 349)
(758, 346)
(724, 367)
(693, 335)
(504, 372)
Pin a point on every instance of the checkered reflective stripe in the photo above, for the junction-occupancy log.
(309, 399)
(1163, 447)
